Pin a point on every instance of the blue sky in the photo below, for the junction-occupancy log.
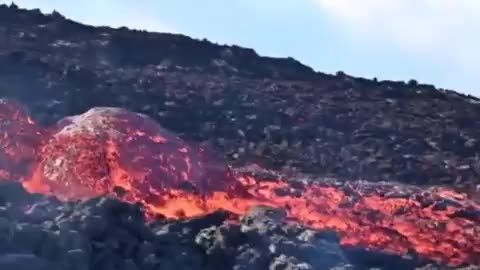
(433, 41)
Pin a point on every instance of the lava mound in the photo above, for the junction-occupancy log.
(107, 149)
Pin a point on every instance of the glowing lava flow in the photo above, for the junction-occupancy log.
(113, 151)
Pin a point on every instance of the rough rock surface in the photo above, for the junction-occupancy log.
(277, 112)
(104, 233)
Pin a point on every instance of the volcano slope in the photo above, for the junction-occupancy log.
(274, 112)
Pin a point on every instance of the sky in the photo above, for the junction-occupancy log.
(432, 41)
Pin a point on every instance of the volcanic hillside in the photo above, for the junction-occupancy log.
(276, 112)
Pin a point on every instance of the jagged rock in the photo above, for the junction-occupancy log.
(262, 218)
(220, 243)
(283, 262)
(194, 225)
(251, 259)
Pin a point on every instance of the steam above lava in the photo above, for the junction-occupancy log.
(106, 150)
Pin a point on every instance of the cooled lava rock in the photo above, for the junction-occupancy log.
(276, 112)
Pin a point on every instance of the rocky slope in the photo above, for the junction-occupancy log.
(275, 112)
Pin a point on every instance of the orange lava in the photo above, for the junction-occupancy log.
(113, 151)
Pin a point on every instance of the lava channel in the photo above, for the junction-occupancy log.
(114, 151)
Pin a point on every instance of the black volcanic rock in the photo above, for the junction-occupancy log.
(276, 112)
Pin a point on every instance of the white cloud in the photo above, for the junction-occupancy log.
(413, 23)
(443, 29)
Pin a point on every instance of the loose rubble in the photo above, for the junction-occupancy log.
(105, 233)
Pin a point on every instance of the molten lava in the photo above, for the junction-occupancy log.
(106, 150)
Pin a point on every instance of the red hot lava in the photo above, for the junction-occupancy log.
(105, 149)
